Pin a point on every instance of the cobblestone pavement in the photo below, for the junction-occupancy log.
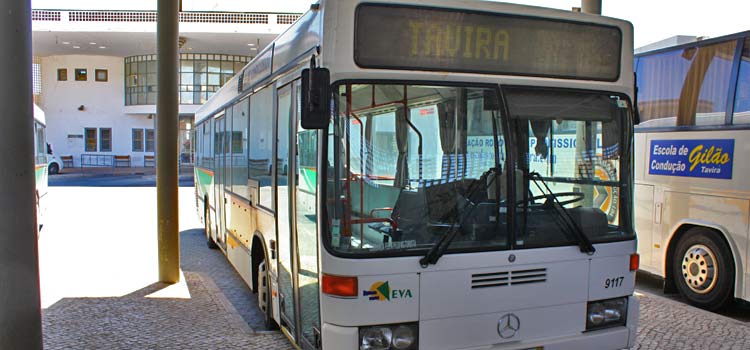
(135, 321)
(666, 324)
(211, 262)
(100, 298)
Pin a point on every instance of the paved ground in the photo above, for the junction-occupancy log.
(98, 267)
(667, 324)
(98, 271)
(651, 284)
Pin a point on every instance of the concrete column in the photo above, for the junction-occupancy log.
(20, 307)
(591, 6)
(167, 109)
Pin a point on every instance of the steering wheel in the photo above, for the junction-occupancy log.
(549, 199)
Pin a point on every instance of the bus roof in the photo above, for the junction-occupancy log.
(696, 43)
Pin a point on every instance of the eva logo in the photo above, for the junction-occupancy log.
(382, 291)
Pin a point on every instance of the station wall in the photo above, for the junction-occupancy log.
(72, 106)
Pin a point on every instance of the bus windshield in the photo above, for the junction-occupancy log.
(409, 164)
(568, 174)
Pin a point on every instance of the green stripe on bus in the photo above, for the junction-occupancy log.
(39, 173)
(204, 180)
(309, 179)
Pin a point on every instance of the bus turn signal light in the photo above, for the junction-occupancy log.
(635, 261)
(342, 286)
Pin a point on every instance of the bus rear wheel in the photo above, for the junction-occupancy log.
(703, 269)
(207, 226)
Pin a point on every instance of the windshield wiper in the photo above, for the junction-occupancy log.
(569, 223)
(439, 248)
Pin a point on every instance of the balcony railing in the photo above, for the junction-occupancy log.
(150, 16)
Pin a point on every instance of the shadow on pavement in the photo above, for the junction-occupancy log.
(113, 180)
(196, 256)
(216, 310)
(739, 311)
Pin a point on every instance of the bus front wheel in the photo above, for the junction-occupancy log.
(53, 169)
(703, 269)
(207, 226)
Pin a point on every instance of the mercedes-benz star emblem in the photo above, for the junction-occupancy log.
(508, 325)
(511, 258)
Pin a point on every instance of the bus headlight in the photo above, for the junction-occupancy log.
(388, 337)
(403, 338)
(375, 338)
(606, 313)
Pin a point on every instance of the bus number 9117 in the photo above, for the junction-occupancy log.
(613, 282)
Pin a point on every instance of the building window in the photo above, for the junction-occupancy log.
(137, 140)
(105, 140)
(62, 74)
(150, 145)
(201, 75)
(36, 72)
(90, 139)
(101, 74)
(81, 74)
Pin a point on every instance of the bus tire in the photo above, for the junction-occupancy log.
(264, 296)
(53, 169)
(207, 226)
(703, 269)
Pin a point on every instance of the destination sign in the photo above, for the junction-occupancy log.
(397, 37)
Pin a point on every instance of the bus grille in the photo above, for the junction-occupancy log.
(508, 278)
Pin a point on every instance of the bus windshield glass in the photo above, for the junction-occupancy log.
(415, 162)
(409, 164)
(569, 164)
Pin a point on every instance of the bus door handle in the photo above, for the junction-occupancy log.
(657, 213)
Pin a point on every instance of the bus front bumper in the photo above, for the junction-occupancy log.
(337, 337)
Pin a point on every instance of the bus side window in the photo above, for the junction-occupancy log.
(742, 95)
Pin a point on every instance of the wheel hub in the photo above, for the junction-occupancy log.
(699, 269)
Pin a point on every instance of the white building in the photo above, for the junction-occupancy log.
(95, 68)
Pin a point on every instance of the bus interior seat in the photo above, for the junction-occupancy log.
(590, 220)
(504, 186)
(410, 213)
(546, 223)
(427, 212)
(423, 212)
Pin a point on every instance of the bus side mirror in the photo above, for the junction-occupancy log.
(316, 92)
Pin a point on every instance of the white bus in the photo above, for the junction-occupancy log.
(432, 175)
(40, 164)
(692, 192)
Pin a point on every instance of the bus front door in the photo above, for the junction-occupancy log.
(296, 179)
(285, 239)
(305, 185)
(220, 178)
